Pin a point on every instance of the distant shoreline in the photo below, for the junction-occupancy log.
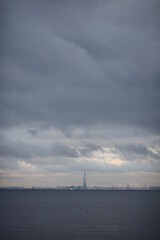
(78, 190)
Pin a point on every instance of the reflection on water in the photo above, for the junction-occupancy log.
(58, 215)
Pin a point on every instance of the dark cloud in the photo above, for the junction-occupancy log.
(137, 149)
(79, 63)
(133, 148)
(33, 132)
(16, 150)
(61, 149)
(24, 150)
(89, 149)
(9, 164)
(67, 131)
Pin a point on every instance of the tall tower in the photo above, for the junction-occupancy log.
(84, 180)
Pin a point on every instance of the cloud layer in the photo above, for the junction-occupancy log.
(81, 79)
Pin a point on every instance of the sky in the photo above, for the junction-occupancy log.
(80, 89)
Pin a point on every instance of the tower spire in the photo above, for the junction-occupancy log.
(84, 180)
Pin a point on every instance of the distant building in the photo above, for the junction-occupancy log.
(84, 180)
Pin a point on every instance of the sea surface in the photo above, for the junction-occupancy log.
(71, 215)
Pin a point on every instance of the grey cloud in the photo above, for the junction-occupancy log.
(15, 150)
(144, 152)
(67, 131)
(91, 166)
(89, 149)
(93, 146)
(26, 151)
(33, 132)
(62, 158)
(64, 150)
(134, 148)
(9, 164)
(100, 65)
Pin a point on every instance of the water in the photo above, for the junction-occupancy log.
(71, 215)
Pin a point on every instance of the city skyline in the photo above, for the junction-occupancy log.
(84, 186)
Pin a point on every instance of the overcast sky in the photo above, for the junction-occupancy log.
(80, 89)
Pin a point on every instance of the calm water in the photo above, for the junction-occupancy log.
(71, 215)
